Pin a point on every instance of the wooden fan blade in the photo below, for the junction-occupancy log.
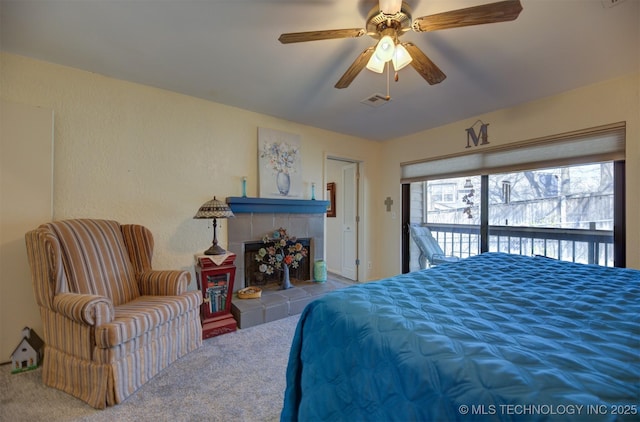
(321, 35)
(355, 68)
(423, 65)
(501, 11)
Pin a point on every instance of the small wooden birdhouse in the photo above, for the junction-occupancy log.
(29, 353)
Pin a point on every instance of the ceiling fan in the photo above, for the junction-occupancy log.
(388, 21)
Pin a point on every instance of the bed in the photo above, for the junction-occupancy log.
(491, 337)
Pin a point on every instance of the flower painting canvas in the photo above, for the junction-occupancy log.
(279, 164)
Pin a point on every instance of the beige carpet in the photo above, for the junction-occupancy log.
(234, 377)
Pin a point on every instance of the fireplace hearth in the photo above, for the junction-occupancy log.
(256, 217)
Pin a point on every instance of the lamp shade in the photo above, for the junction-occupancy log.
(385, 48)
(375, 64)
(401, 57)
(214, 209)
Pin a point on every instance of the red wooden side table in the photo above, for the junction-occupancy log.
(215, 275)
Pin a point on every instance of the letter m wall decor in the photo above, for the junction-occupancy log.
(481, 137)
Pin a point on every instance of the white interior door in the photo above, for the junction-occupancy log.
(350, 221)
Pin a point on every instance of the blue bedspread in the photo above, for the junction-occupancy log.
(492, 337)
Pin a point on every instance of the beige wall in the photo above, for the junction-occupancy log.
(26, 200)
(607, 102)
(138, 154)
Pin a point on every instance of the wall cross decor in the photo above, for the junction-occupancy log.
(388, 202)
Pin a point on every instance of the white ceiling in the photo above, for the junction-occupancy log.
(227, 51)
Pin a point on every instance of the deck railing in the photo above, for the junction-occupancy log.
(588, 246)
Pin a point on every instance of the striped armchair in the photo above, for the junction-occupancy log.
(111, 323)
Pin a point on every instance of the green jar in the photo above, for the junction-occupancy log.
(320, 271)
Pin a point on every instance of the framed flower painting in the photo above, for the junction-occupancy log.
(279, 164)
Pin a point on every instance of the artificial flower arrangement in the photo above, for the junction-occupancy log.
(280, 248)
(281, 155)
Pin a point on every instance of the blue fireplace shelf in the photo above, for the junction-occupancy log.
(240, 205)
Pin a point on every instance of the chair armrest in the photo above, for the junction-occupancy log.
(164, 282)
(84, 308)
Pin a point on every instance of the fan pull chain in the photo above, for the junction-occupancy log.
(388, 77)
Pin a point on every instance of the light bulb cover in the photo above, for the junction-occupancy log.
(385, 48)
(401, 57)
(375, 64)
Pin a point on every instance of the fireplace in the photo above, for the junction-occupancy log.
(257, 217)
(253, 276)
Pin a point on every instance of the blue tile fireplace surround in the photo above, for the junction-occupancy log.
(257, 217)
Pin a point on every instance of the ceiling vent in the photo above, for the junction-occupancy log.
(376, 100)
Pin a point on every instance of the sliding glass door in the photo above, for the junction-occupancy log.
(451, 209)
(567, 213)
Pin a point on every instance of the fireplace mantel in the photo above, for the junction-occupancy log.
(242, 205)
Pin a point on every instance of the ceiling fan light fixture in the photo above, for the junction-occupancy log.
(375, 64)
(390, 7)
(385, 49)
(401, 57)
(390, 19)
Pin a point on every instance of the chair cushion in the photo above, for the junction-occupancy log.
(95, 259)
(144, 314)
(425, 241)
